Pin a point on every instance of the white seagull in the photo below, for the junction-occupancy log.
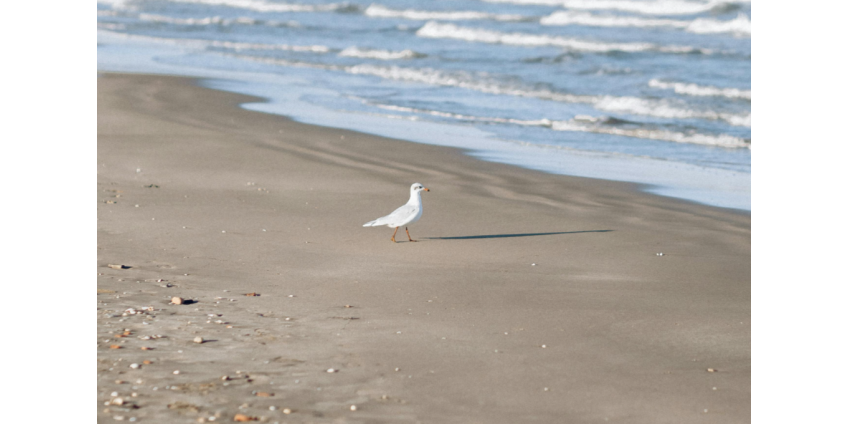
(404, 215)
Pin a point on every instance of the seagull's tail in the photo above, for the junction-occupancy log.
(373, 223)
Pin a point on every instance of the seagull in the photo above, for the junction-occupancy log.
(404, 215)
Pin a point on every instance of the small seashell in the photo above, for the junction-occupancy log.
(198, 339)
(146, 362)
(117, 401)
(332, 370)
(135, 366)
(176, 372)
(177, 300)
(711, 370)
(115, 347)
(287, 411)
(353, 407)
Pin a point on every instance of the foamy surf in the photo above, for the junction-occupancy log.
(379, 11)
(434, 29)
(700, 90)
(596, 125)
(264, 6)
(656, 7)
(491, 85)
(354, 51)
(741, 25)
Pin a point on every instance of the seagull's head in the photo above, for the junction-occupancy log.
(417, 187)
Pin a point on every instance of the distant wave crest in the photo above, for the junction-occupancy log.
(700, 90)
(655, 7)
(379, 54)
(379, 11)
(265, 6)
(741, 25)
(434, 29)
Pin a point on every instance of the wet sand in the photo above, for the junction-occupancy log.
(202, 200)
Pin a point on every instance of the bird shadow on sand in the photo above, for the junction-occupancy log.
(494, 236)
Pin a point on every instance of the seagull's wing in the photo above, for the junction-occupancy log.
(397, 218)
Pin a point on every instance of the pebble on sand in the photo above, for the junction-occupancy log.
(177, 300)
(241, 418)
(353, 407)
(198, 339)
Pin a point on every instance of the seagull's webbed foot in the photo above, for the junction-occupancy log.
(408, 236)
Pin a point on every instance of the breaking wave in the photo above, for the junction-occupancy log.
(597, 125)
(264, 6)
(700, 90)
(214, 20)
(741, 25)
(486, 84)
(655, 7)
(380, 54)
(434, 29)
(379, 11)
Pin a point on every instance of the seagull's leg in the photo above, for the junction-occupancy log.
(393, 235)
(407, 234)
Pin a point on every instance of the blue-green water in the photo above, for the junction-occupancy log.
(655, 92)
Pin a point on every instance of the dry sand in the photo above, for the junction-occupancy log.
(206, 201)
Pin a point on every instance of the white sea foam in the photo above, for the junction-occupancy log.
(655, 7)
(665, 109)
(260, 46)
(434, 29)
(265, 6)
(700, 90)
(379, 11)
(584, 125)
(739, 26)
(210, 20)
(595, 125)
(379, 54)
(487, 84)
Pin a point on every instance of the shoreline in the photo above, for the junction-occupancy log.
(232, 201)
(281, 95)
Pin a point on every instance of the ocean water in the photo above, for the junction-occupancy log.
(656, 92)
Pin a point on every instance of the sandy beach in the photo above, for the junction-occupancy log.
(529, 297)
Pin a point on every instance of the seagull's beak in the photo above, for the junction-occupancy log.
(426, 189)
